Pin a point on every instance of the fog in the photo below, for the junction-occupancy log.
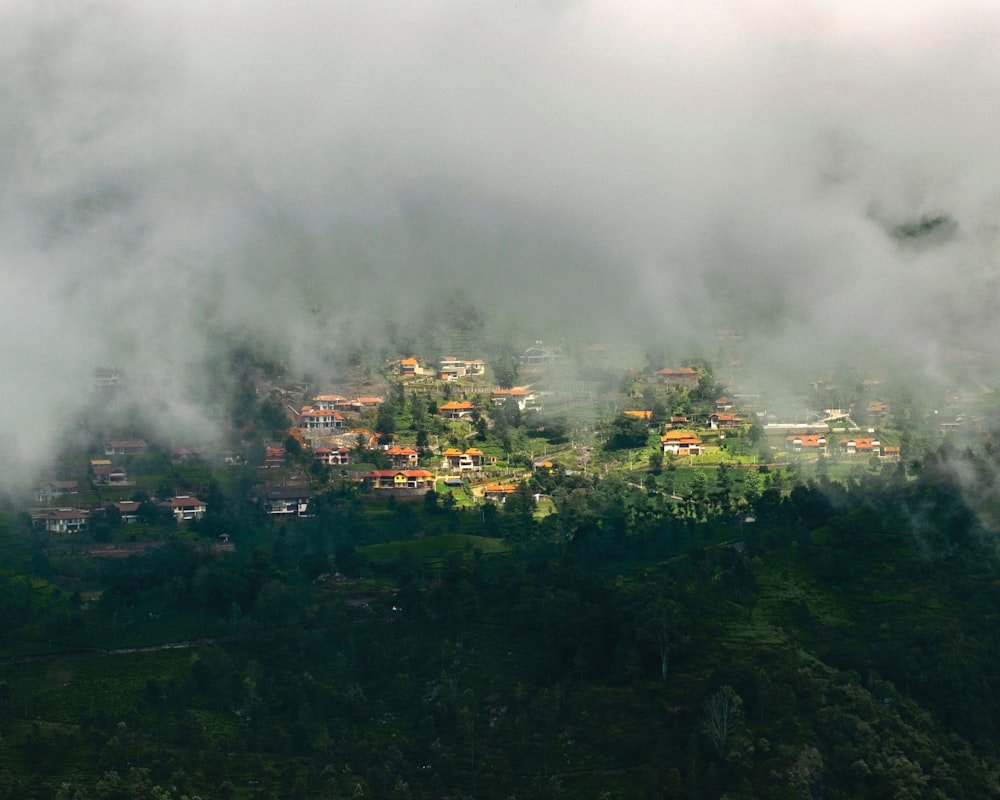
(313, 174)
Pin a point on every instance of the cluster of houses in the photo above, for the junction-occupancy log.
(183, 508)
(816, 443)
(679, 439)
(522, 396)
(324, 424)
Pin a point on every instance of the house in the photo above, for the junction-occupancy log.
(456, 409)
(274, 457)
(723, 404)
(539, 356)
(402, 457)
(724, 420)
(522, 395)
(457, 461)
(451, 368)
(876, 409)
(341, 456)
(452, 458)
(861, 446)
(680, 443)
(499, 492)
(53, 489)
(643, 415)
(128, 510)
(109, 476)
(408, 367)
(331, 402)
(321, 455)
(367, 402)
(418, 480)
(125, 447)
(286, 501)
(679, 421)
(104, 473)
(184, 507)
(65, 520)
(810, 443)
(682, 378)
(319, 419)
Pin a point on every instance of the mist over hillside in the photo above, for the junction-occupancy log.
(321, 177)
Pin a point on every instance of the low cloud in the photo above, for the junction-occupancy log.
(304, 173)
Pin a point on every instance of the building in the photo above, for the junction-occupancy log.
(65, 520)
(104, 473)
(498, 493)
(319, 420)
(184, 507)
(451, 368)
(402, 457)
(128, 510)
(56, 489)
(681, 443)
(806, 443)
(125, 447)
(457, 461)
(861, 446)
(682, 378)
(522, 395)
(409, 481)
(286, 501)
(723, 419)
(456, 409)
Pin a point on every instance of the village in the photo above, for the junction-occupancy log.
(471, 434)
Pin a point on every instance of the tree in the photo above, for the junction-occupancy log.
(723, 712)
(505, 371)
(385, 421)
(656, 462)
(625, 432)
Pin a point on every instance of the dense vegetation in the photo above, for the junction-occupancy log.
(841, 645)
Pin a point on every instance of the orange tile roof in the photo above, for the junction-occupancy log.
(807, 440)
(409, 473)
(679, 436)
(861, 443)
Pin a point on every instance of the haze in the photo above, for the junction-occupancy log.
(305, 173)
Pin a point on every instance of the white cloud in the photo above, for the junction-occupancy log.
(179, 168)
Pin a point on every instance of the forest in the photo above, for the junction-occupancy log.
(838, 641)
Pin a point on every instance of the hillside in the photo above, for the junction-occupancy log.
(841, 646)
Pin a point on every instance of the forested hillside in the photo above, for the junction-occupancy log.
(840, 645)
